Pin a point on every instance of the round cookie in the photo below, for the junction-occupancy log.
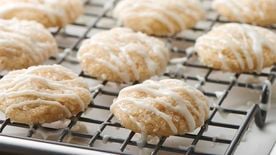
(123, 56)
(161, 108)
(24, 43)
(237, 48)
(50, 13)
(42, 94)
(257, 12)
(160, 18)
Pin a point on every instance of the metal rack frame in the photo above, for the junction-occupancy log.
(19, 145)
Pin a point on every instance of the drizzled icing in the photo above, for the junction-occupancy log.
(18, 38)
(235, 7)
(28, 82)
(243, 10)
(54, 10)
(161, 11)
(120, 44)
(157, 91)
(250, 44)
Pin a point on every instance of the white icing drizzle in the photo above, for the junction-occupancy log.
(214, 139)
(17, 37)
(51, 14)
(223, 60)
(258, 43)
(133, 119)
(190, 51)
(119, 48)
(235, 7)
(95, 88)
(219, 94)
(45, 134)
(252, 40)
(160, 11)
(106, 138)
(242, 9)
(142, 140)
(39, 101)
(54, 10)
(178, 60)
(157, 90)
(13, 85)
(148, 106)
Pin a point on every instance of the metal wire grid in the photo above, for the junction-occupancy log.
(248, 115)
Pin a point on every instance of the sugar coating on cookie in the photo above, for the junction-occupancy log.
(50, 13)
(257, 12)
(161, 108)
(237, 48)
(123, 56)
(161, 18)
(42, 94)
(24, 43)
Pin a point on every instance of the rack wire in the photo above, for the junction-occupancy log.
(92, 21)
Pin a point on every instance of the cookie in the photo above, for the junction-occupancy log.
(237, 48)
(257, 12)
(24, 44)
(160, 18)
(123, 56)
(42, 94)
(161, 108)
(50, 13)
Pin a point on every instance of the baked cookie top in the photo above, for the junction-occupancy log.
(161, 108)
(24, 43)
(50, 13)
(122, 55)
(237, 48)
(42, 94)
(161, 18)
(257, 12)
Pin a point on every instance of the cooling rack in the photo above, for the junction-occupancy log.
(96, 130)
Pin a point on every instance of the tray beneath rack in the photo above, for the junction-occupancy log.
(236, 99)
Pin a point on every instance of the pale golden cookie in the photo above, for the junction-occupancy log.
(50, 13)
(160, 18)
(24, 44)
(42, 94)
(257, 12)
(122, 55)
(161, 108)
(237, 48)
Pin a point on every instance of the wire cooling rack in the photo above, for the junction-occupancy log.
(97, 129)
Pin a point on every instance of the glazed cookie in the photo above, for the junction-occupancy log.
(24, 43)
(51, 13)
(259, 12)
(160, 18)
(237, 48)
(42, 94)
(161, 108)
(123, 56)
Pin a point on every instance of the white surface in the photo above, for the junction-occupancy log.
(260, 142)
(273, 151)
